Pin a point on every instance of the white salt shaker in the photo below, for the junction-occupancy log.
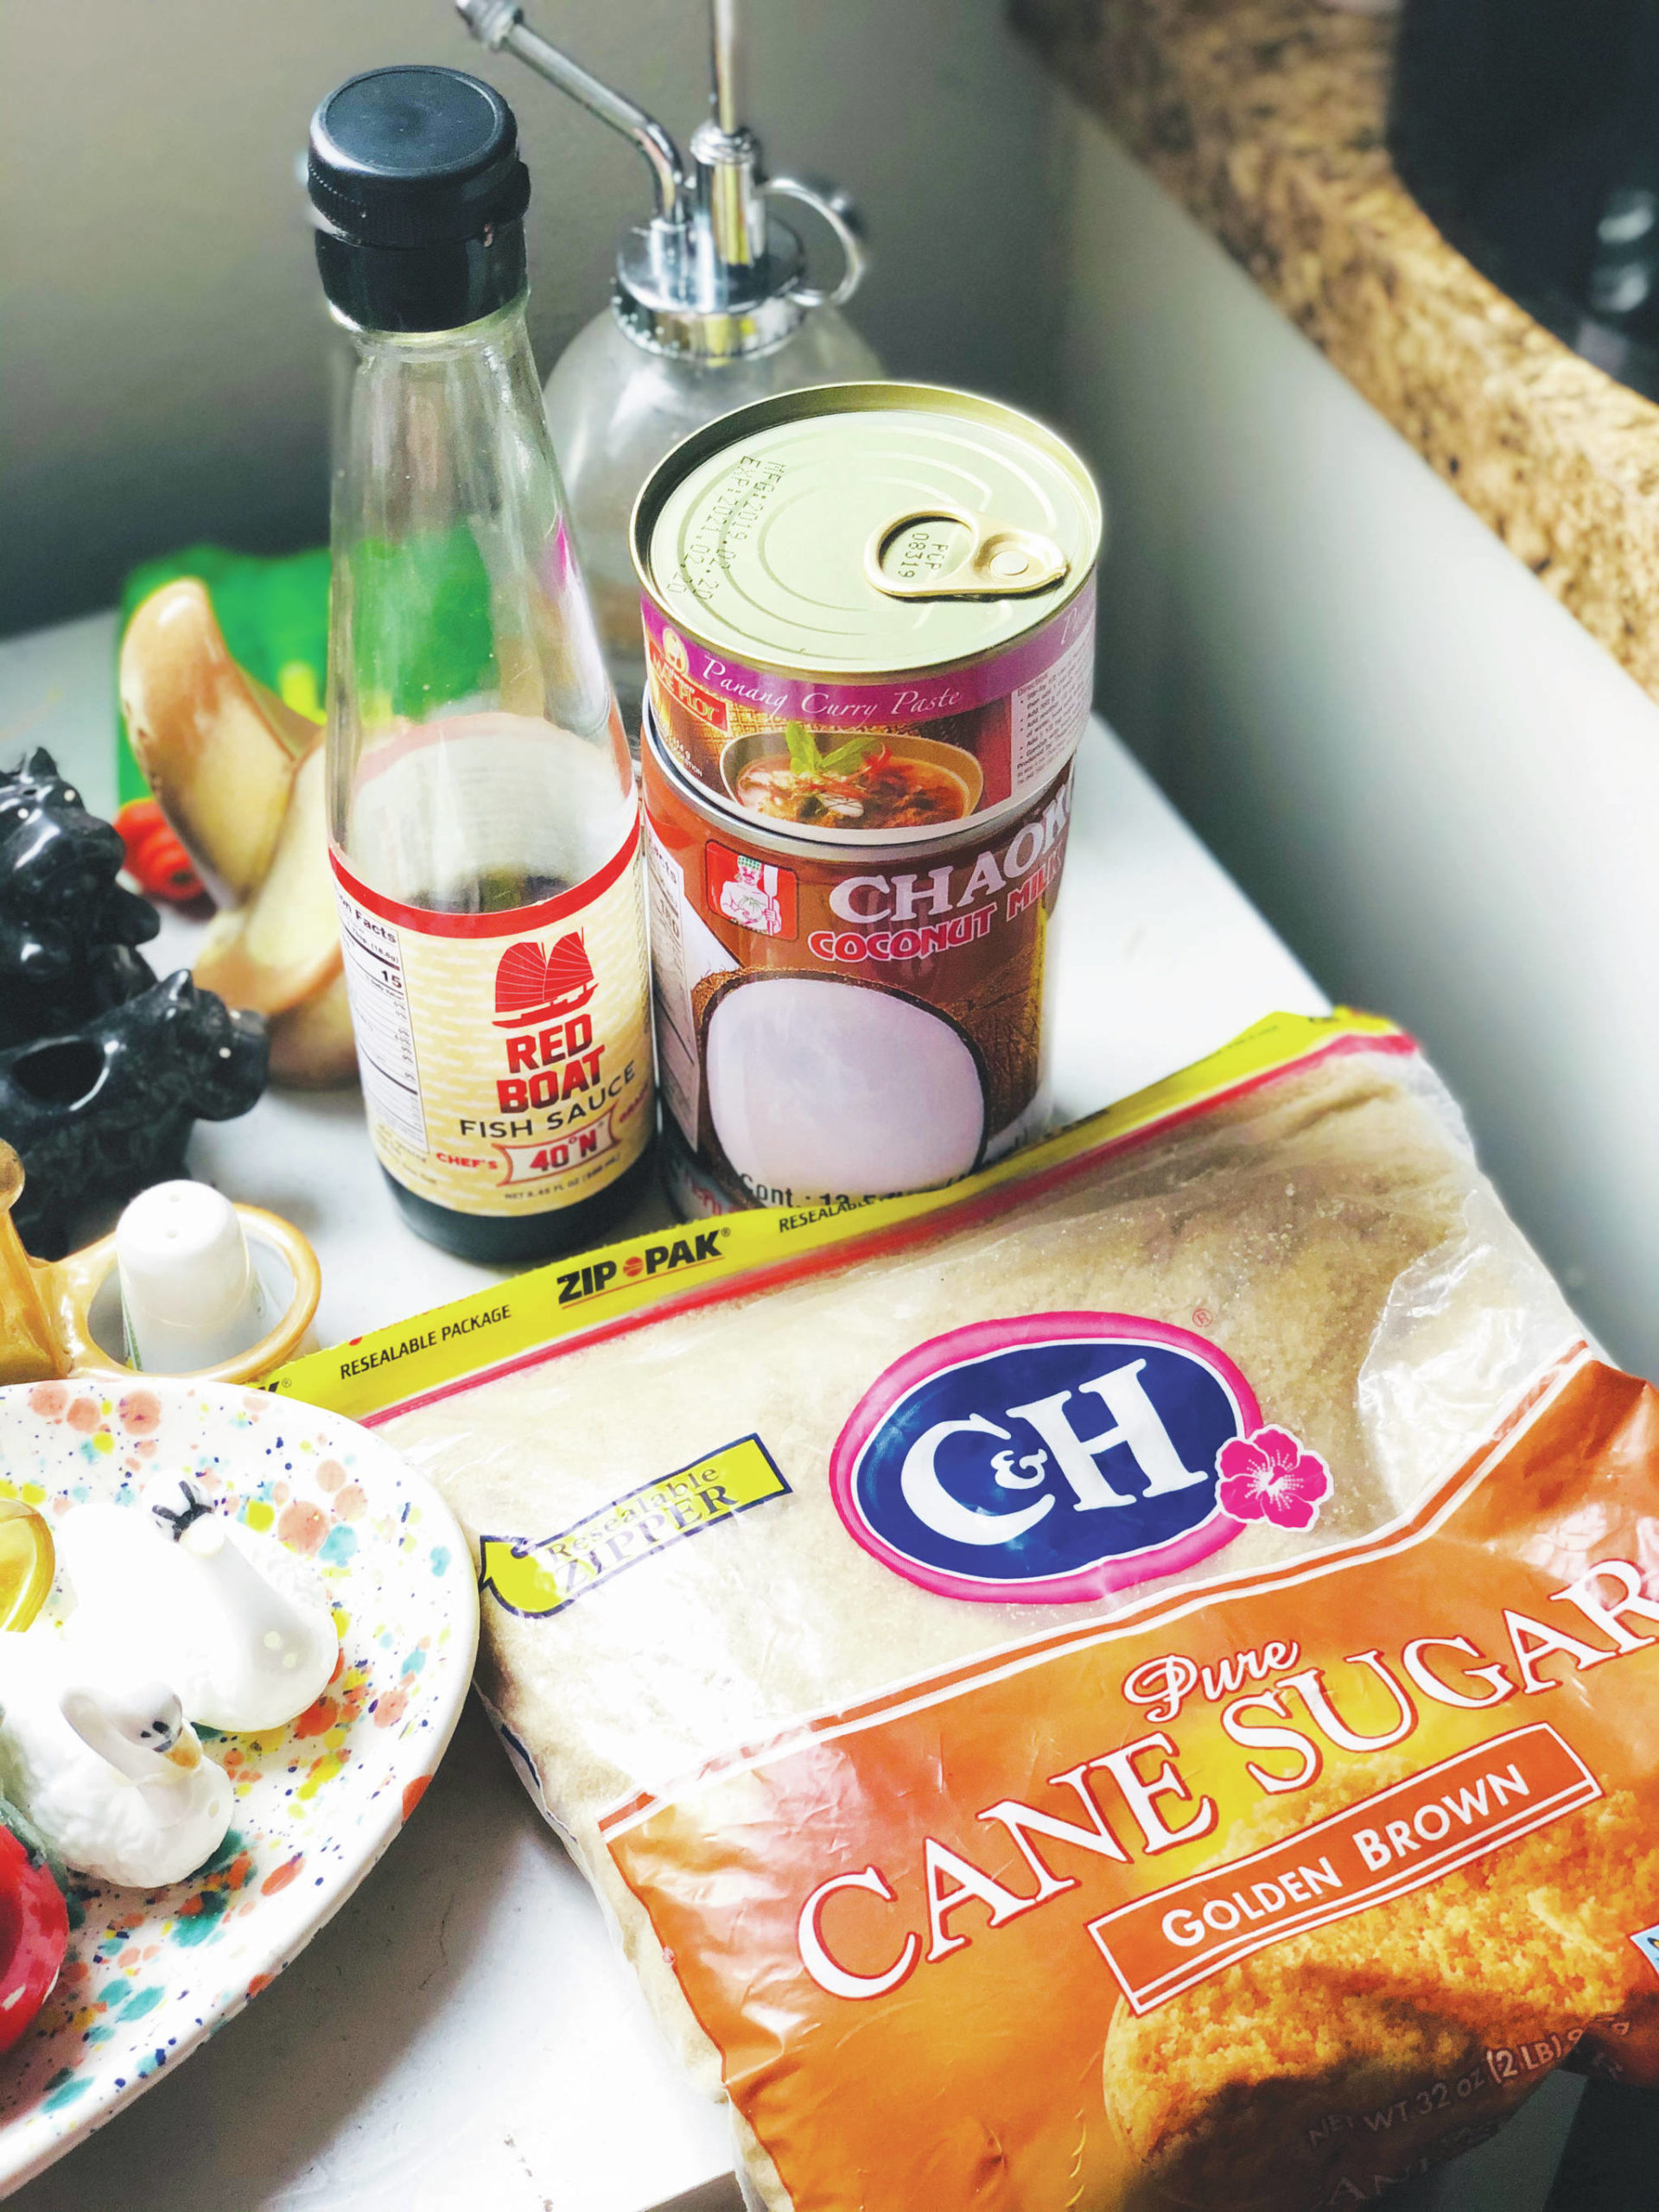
(191, 1295)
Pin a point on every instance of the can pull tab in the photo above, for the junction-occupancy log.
(944, 553)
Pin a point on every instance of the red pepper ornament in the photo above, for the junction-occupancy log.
(157, 862)
(34, 1935)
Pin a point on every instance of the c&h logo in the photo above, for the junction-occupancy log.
(1053, 1458)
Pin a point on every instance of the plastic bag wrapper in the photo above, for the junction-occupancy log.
(1082, 1703)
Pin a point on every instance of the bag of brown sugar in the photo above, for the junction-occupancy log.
(1134, 1682)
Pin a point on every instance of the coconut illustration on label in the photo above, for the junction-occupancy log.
(813, 1081)
(1055, 1457)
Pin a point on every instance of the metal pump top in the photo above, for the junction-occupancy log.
(714, 275)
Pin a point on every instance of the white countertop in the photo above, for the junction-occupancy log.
(463, 2036)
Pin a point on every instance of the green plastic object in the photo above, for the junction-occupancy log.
(422, 634)
(274, 612)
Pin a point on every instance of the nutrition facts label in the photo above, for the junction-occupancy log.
(386, 1039)
(676, 1029)
(1050, 712)
(683, 951)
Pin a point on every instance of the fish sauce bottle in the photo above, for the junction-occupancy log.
(483, 823)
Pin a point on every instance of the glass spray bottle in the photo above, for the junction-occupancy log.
(483, 823)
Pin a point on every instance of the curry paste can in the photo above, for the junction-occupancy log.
(836, 1023)
(870, 611)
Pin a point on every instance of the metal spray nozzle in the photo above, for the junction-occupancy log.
(716, 274)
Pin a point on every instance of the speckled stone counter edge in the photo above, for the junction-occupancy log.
(1265, 118)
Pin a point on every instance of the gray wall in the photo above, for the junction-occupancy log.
(160, 340)
(1435, 784)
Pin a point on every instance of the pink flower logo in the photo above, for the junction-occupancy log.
(1271, 1476)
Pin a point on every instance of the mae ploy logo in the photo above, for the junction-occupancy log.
(1055, 1457)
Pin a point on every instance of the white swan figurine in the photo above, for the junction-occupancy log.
(114, 1777)
(235, 1621)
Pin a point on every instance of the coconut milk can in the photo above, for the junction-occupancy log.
(869, 624)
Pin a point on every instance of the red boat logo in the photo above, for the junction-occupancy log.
(531, 985)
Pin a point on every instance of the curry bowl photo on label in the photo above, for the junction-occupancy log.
(885, 780)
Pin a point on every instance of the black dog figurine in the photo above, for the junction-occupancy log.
(67, 929)
(102, 1070)
(103, 1112)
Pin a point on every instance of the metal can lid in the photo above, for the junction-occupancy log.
(866, 530)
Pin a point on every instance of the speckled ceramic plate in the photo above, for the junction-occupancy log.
(150, 1974)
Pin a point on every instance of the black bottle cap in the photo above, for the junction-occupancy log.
(416, 175)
